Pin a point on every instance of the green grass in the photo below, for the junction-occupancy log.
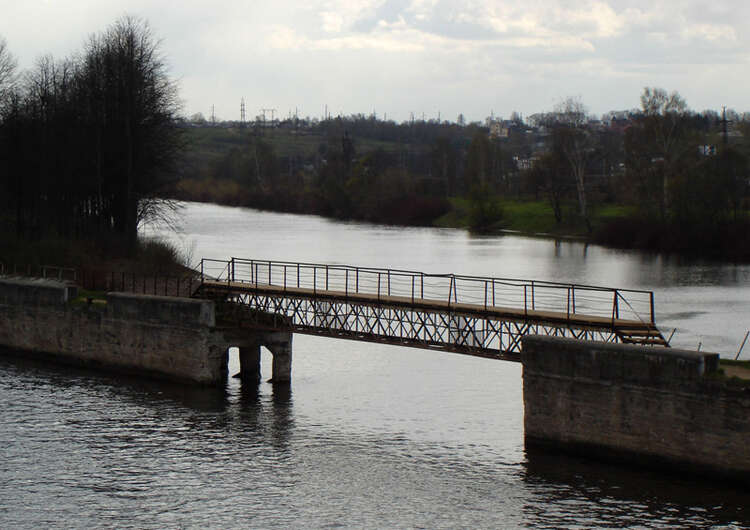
(212, 143)
(534, 217)
(457, 217)
(731, 362)
(84, 295)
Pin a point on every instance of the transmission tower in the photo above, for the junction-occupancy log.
(242, 111)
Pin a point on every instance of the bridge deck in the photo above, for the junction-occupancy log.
(580, 321)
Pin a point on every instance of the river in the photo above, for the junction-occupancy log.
(367, 435)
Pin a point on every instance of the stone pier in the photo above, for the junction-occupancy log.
(278, 343)
(638, 405)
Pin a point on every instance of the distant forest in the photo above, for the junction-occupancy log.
(93, 145)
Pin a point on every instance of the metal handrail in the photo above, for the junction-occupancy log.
(535, 295)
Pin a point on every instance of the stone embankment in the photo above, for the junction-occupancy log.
(167, 337)
(653, 407)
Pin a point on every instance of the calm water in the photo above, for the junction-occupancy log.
(367, 435)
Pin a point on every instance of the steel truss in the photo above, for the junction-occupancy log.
(479, 335)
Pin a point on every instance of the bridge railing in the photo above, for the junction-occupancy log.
(486, 292)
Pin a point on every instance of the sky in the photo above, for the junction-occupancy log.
(427, 57)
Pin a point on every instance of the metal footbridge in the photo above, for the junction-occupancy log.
(479, 316)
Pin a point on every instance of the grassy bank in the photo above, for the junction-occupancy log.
(523, 216)
(150, 256)
(535, 217)
(612, 225)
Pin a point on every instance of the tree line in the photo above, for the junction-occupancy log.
(668, 164)
(86, 142)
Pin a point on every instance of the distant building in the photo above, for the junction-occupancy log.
(498, 129)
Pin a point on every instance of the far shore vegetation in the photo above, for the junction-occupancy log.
(661, 178)
(94, 145)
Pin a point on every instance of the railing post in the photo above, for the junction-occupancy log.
(412, 288)
(256, 273)
(568, 311)
(284, 278)
(574, 298)
(356, 281)
(346, 283)
(389, 282)
(422, 289)
(315, 279)
(233, 271)
(450, 289)
(493, 293)
(525, 304)
(326, 277)
(652, 307)
(379, 274)
(615, 308)
(297, 275)
(533, 297)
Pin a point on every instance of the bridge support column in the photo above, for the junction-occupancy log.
(280, 345)
(250, 362)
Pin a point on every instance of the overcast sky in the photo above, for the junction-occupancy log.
(422, 56)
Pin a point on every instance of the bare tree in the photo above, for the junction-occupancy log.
(663, 121)
(575, 142)
(136, 105)
(7, 74)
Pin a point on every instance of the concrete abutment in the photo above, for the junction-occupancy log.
(650, 407)
(166, 337)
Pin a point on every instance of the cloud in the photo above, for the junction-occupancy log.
(449, 54)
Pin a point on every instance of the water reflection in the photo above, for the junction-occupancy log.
(621, 496)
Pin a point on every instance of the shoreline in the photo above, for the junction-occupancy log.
(548, 235)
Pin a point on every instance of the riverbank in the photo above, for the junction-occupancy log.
(529, 217)
(612, 225)
(150, 255)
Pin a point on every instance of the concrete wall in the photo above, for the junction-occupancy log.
(168, 337)
(645, 406)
